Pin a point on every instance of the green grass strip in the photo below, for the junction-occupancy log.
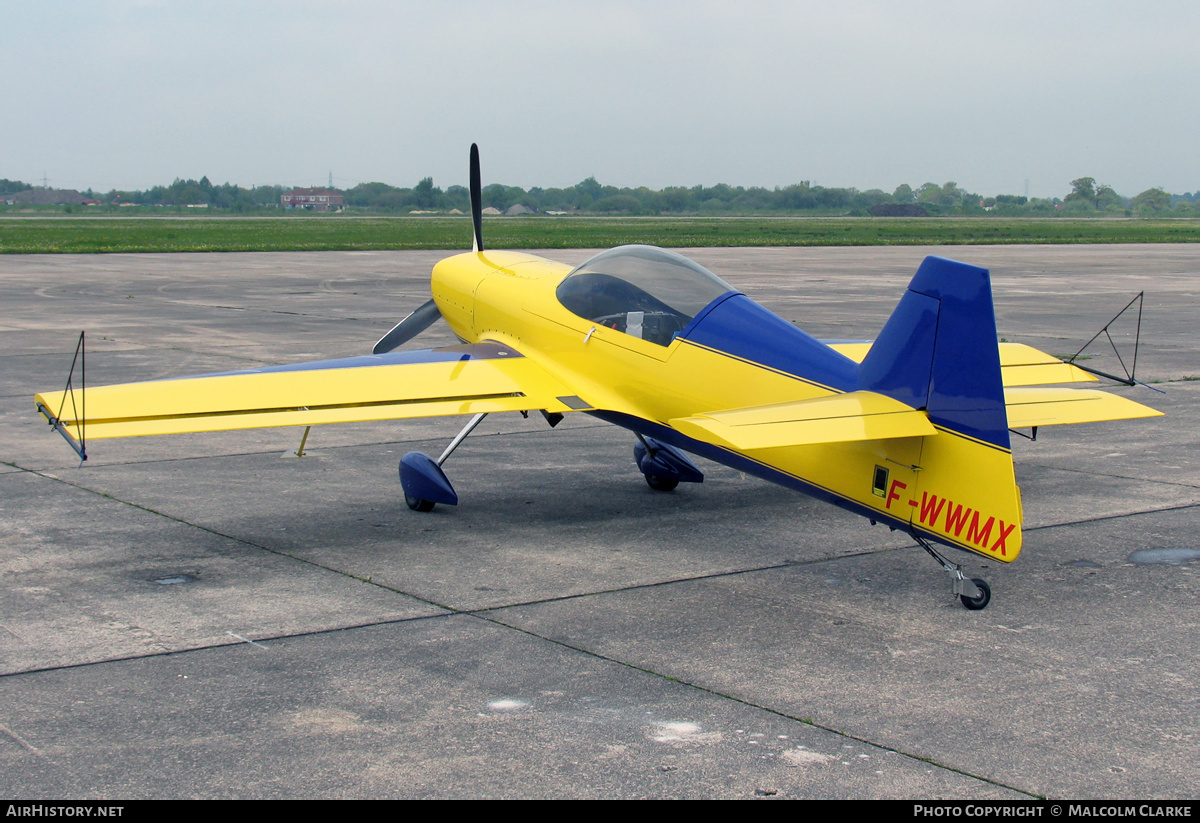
(74, 235)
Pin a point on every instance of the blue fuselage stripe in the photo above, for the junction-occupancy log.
(735, 325)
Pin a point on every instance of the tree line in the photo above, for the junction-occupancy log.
(589, 196)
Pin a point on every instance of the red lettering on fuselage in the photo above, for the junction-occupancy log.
(957, 517)
(931, 507)
(979, 536)
(1000, 540)
(893, 494)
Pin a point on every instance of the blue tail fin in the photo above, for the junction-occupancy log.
(938, 351)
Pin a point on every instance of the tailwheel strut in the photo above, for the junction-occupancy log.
(974, 592)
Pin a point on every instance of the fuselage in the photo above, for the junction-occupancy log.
(734, 354)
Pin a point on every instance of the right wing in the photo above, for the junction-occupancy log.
(467, 379)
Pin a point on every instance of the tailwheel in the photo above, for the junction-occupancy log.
(980, 602)
(973, 592)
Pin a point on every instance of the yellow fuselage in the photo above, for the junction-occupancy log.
(950, 487)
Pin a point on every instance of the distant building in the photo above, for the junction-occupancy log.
(312, 200)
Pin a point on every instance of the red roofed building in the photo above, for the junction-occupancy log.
(312, 200)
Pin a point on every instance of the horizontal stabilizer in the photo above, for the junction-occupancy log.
(484, 377)
(839, 418)
(1020, 365)
(1055, 407)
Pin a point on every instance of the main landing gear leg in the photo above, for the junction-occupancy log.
(974, 592)
(425, 484)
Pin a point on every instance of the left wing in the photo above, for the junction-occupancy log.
(467, 379)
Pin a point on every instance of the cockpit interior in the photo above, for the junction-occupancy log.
(642, 291)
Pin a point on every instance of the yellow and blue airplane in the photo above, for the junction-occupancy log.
(911, 431)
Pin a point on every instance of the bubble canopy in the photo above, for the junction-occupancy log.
(643, 291)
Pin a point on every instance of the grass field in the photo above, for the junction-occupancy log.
(60, 235)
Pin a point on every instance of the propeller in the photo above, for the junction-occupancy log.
(409, 327)
(427, 312)
(476, 200)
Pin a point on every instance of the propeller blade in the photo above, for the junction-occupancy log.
(476, 200)
(408, 328)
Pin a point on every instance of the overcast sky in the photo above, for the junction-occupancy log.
(133, 93)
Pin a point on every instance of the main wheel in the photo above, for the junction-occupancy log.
(661, 484)
(419, 505)
(985, 595)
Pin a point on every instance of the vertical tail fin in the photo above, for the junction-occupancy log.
(938, 351)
